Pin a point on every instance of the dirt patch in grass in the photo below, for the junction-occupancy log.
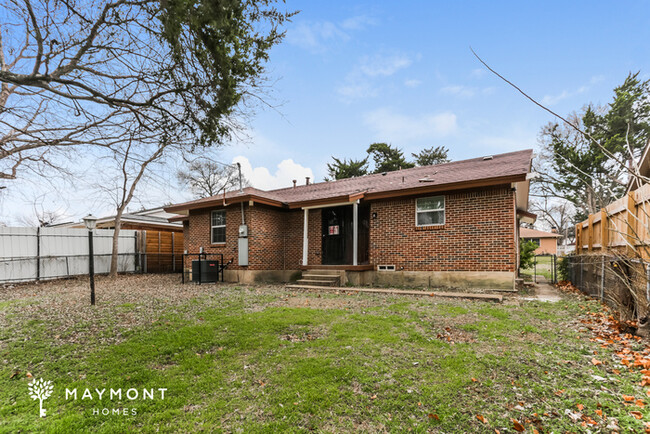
(122, 304)
(302, 334)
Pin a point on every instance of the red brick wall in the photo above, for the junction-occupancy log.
(199, 234)
(275, 236)
(478, 234)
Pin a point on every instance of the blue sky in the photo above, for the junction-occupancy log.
(352, 73)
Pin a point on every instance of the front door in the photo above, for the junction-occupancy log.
(338, 235)
(335, 230)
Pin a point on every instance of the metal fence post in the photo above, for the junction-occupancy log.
(136, 253)
(602, 280)
(144, 245)
(38, 253)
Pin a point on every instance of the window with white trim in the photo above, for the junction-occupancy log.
(430, 211)
(218, 226)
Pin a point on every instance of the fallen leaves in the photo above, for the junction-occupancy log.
(481, 419)
(596, 362)
(517, 425)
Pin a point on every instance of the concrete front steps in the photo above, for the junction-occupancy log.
(320, 278)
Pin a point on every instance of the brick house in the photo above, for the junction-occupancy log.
(453, 225)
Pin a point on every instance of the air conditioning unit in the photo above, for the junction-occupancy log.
(205, 271)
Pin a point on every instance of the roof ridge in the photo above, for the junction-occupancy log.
(513, 164)
(467, 160)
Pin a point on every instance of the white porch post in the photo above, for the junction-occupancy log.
(305, 239)
(355, 232)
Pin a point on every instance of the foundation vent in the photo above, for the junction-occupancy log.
(385, 268)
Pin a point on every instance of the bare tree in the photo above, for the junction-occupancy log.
(207, 178)
(92, 72)
(628, 263)
(557, 213)
(134, 78)
(125, 167)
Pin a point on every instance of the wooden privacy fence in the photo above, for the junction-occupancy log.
(162, 251)
(28, 254)
(622, 227)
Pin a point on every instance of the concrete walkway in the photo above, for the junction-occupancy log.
(544, 291)
(498, 298)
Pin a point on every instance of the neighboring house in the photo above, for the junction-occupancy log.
(546, 241)
(160, 242)
(155, 219)
(454, 225)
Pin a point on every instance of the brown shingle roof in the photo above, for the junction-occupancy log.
(534, 233)
(503, 168)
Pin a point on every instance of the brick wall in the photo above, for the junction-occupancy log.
(199, 234)
(478, 234)
(275, 236)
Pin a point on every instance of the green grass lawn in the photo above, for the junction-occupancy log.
(264, 359)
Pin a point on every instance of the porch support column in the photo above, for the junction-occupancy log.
(355, 232)
(305, 239)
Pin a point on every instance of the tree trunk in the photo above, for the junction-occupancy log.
(116, 243)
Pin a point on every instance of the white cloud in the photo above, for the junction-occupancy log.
(412, 82)
(554, 99)
(478, 73)
(363, 80)
(316, 35)
(378, 65)
(466, 91)
(262, 178)
(392, 126)
(357, 90)
(359, 22)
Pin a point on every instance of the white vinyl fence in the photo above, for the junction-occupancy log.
(47, 253)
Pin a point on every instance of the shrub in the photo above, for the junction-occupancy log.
(527, 254)
(563, 267)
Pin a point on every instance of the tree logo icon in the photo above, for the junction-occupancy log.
(41, 390)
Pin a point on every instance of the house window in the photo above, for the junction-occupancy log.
(218, 226)
(534, 240)
(430, 211)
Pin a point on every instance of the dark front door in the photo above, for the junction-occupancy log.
(338, 235)
(335, 225)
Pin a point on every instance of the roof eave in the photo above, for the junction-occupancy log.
(224, 202)
(340, 199)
